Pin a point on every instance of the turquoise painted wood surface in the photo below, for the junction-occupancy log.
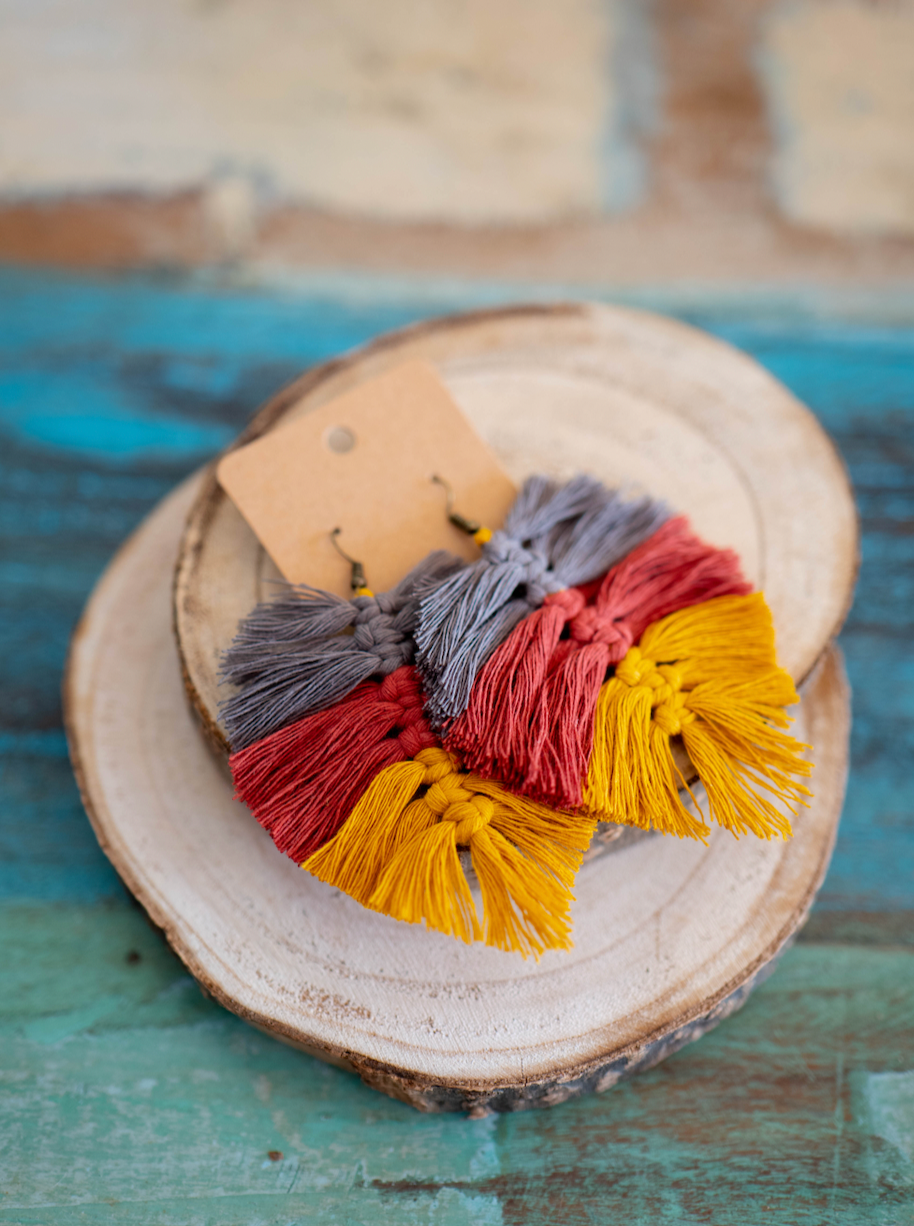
(125, 1096)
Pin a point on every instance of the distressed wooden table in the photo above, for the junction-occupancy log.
(126, 1096)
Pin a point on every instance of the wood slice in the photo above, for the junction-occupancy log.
(670, 936)
(637, 400)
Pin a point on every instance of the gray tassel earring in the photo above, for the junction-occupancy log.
(306, 649)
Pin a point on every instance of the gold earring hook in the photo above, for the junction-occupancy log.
(357, 581)
(471, 527)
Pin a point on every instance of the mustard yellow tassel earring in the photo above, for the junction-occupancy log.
(398, 853)
(709, 675)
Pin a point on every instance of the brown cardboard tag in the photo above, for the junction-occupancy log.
(364, 463)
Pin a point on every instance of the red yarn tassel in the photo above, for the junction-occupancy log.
(539, 740)
(504, 698)
(302, 782)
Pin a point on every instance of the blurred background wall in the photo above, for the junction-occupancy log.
(611, 139)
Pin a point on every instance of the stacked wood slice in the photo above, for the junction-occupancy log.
(669, 937)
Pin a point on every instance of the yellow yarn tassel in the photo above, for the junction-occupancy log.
(398, 853)
(353, 859)
(708, 674)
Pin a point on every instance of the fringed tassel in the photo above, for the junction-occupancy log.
(398, 853)
(555, 537)
(292, 655)
(302, 781)
(496, 734)
(709, 675)
(531, 711)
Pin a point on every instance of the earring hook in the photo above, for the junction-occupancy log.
(449, 493)
(471, 527)
(357, 580)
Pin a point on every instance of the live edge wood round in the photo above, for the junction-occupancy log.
(637, 400)
(670, 937)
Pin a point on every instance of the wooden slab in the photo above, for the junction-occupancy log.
(636, 399)
(670, 937)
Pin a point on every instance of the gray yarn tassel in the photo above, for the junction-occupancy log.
(291, 655)
(554, 537)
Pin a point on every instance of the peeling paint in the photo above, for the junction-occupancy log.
(890, 1099)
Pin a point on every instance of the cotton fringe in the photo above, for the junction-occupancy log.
(555, 537)
(302, 781)
(709, 675)
(398, 853)
(529, 721)
(294, 655)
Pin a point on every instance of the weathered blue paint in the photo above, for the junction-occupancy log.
(128, 1097)
(164, 1108)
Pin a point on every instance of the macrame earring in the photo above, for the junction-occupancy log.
(530, 717)
(555, 537)
(312, 724)
(301, 779)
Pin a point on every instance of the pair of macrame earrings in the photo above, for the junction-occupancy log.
(501, 666)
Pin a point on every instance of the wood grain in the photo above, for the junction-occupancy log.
(669, 937)
(638, 400)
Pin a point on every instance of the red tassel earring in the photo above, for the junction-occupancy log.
(302, 782)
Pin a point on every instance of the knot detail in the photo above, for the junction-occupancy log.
(668, 701)
(672, 715)
(471, 816)
(375, 632)
(570, 600)
(589, 626)
(402, 688)
(365, 600)
(438, 763)
(450, 799)
(416, 737)
(532, 563)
